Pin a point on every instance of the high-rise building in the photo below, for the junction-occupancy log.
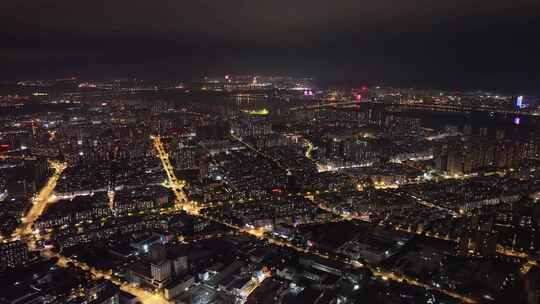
(180, 265)
(508, 154)
(215, 131)
(478, 243)
(161, 271)
(463, 157)
(102, 292)
(13, 254)
(455, 161)
(157, 253)
(519, 102)
(440, 157)
(204, 164)
(292, 184)
(160, 267)
(187, 157)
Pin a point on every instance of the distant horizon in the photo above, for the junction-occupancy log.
(325, 83)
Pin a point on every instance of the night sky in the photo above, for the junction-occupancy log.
(457, 44)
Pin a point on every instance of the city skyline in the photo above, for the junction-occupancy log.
(270, 152)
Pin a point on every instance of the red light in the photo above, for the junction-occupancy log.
(5, 146)
(359, 97)
(276, 190)
(364, 88)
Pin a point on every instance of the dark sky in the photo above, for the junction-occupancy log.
(455, 44)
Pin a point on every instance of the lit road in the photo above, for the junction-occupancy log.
(384, 275)
(252, 148)
(41, 201)
(25, 232)
(309, 155)
(191, 208)
(172, 181)
(254, 284)
(527, 265)
(261, 234)
(16, 157)
(143, 296)
(500, 249)
(431, 205)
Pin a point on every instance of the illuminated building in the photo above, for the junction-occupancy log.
(463, 157)
(519, 102)
(177, 287)
(161, 271)
(478, 243)
(187, 157)
(102, 293)
(13, 254)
